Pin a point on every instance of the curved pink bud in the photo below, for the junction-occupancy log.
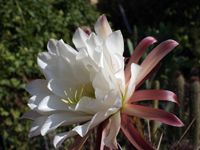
(155, 56)
(139, 50)
(151, 114)
(154, 70)
(102, 27)
(132, 134)
(143, 95)
(80, 141)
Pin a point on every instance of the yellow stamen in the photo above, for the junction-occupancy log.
(76, 95)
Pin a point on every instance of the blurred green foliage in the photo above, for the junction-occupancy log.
(25, 28)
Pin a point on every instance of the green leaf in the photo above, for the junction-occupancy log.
(130, 46)
(15, 82)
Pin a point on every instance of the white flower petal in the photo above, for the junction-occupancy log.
(66, 51)
(36, 99)
(101, 81)
(51, 46)
(115, 43)
(107, 59)
(79, 69)
(92, 42)
(32, 114)
(96, 106)
(92, 71)
(120, 76)
(120, 61)
(45, 59)
(135, 71)
(58, 87)
(50, 72)
(100, 94)
(37, 86)
(116, 106)
(59, 138)
(103, 103)
(85, 59)
(79, 39)
(51, 104)
(59, 119)
(65, 70)
(81, 105)
(110, 140)
(98, 55)
(102, 27)
(47, 65)
(36, 126)
(97, 119)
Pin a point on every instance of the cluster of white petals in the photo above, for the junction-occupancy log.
(83, 85)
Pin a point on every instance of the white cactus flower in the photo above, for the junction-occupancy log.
(86, 85)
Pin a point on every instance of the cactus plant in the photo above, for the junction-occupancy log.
(180, 92)
(155, 105)
(194, 112)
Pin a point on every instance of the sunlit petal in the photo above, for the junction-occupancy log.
(32, 114)
(66, 51)
(37, 86)
(135, 72)
(65, 118)
(153, 71)
(58, 86)
(51, 104)
(51, 46)
(36, 126)
(79, 39)
(115, 42)
(59, 138)
(102, 27)
(155, 56)
(132, 134)
(143, 95)
(139, 50)
(151, 114)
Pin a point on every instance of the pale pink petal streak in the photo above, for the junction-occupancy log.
(155, 56)
(102, 27)
(139, 50)
(154, 70)
(142, 95)
(132, 134)
(151, 114)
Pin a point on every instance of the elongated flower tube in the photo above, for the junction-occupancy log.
(89, 85)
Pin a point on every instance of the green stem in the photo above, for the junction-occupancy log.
(155, 105)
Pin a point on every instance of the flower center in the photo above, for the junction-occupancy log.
(76, 95)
